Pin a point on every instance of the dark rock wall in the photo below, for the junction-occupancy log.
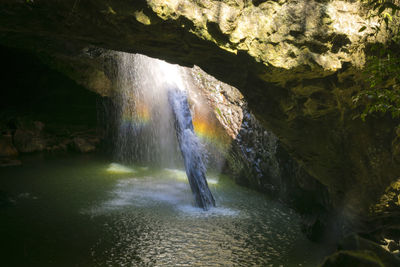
(41, 109)
(255, 157)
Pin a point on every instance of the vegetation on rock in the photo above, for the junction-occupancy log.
(383, 65)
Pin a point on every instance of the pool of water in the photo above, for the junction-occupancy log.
(88, 211)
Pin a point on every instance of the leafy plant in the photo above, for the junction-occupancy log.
(383, 75)
(383, 68)
(382, 5)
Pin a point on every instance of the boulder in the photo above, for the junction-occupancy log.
(83, 145)
(7, 149)
(27, 141)
(28, 136)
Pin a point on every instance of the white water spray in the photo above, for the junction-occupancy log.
(153, 113)
(145, 124)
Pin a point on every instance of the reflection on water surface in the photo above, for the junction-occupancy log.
(86, 211)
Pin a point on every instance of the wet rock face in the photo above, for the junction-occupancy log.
(295, 62)
(255, 156)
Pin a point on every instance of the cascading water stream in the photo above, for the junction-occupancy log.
(191, 149)
(153, 114)
(145, 128)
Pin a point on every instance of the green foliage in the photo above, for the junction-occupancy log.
(382, 69)
(381, 5)
(383, 8)
(383, 75)
(218, 111)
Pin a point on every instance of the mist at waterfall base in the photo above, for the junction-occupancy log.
(153, 117)
(143, 130)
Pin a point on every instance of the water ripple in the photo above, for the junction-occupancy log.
(152, 222)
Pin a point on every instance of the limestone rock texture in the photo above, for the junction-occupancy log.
(297, 63)
(254, 157)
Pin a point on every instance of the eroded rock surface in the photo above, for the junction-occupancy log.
(255, 157)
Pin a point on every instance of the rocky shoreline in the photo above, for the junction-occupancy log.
(23, 136)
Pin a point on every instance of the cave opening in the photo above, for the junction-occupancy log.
(306, 147)
(63, 193)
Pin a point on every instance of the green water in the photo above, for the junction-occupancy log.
(86, 211)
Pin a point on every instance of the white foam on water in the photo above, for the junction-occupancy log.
(212, 181)
(213, 211)
(119, 169)
(168, 191)
(180, 175)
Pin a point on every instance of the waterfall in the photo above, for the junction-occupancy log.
(145, 126)
(153, 119)
(191, 149)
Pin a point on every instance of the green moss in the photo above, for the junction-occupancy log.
(142, 18)
(218, 111)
